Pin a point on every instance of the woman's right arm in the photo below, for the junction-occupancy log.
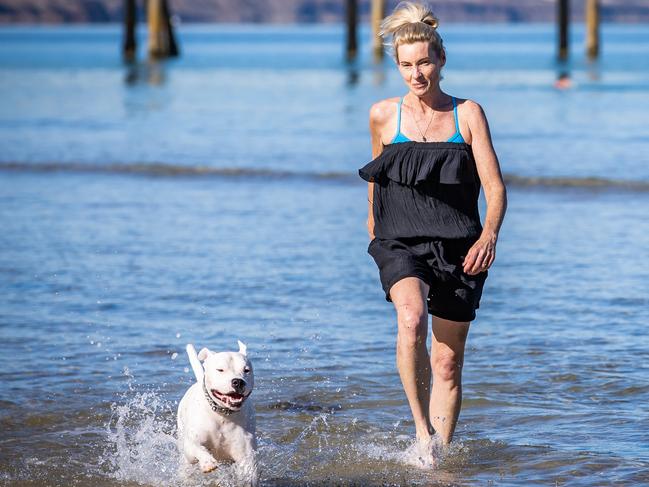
(377, 120)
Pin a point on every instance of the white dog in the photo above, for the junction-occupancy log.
(216, 418)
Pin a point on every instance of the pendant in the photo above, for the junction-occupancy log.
(424, 139)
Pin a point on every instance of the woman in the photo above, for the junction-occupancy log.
(432, 152)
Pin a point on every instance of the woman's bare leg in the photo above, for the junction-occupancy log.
(447, 357)
(409, 297)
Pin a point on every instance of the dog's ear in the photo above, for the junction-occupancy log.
(243, 350)
(202, 355)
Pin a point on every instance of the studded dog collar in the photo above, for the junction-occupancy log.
(213, 404)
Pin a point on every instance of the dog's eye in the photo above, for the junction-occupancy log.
(219, 370)
(246, 370)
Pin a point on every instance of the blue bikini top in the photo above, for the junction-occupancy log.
(456, 137)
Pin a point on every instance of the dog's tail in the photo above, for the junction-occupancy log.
(196, 365)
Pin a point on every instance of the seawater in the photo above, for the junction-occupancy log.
(214, 198)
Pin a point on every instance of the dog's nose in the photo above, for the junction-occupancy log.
(238, 384)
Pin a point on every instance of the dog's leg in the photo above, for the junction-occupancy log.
(198, 453)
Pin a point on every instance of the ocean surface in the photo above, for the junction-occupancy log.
(215, 197)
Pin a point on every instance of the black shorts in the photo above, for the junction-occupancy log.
(454, 295)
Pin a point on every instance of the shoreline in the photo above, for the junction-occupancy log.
(163, 170)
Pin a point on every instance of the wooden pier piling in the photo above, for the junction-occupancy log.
(171, 39)
(154, 21)
(162, 42)
(378, 13)
(592, 29)
(351, 20)
(130, 21)
(563, 19)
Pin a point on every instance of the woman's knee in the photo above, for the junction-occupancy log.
(447, 367)
(413, 326)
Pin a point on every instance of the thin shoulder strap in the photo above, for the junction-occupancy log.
(399, 116)
(457, 122)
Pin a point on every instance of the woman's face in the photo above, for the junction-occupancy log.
(419, 66)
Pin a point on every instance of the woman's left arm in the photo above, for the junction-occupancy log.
(482, 254)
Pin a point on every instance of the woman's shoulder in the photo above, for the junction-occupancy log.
(384, 110)
(470, 117)
(469, 109)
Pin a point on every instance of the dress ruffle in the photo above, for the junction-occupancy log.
(413, 163)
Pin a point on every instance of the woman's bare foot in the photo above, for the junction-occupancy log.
(425, 434)
(421, 453)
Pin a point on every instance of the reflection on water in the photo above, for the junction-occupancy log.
(353, 74)
(592, 72)
(151, 72)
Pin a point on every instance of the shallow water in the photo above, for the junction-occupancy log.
(106, 280)
(106, 275)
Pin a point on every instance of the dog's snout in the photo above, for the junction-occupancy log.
(238, 384)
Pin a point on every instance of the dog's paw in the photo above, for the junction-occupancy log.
(208, 465)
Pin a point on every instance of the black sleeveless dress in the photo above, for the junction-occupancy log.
(425, 207)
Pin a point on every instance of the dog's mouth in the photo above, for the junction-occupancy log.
(232, 400)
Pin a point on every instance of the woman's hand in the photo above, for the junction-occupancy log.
(480, 256)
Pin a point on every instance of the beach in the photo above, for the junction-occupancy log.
(216, 197)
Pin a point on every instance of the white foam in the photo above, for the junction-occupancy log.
(417, 454)
(142, 448)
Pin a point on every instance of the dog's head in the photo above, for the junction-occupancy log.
(228, 376)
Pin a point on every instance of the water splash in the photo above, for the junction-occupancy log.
(142, 445)
(327, 447)
(424, 455)
(277, 459)
(141, 438)
(402, 449)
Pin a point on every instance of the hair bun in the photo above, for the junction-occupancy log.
(412, 21)
(408, 13)
(431, 20)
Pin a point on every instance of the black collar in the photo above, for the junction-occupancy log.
(213, 404)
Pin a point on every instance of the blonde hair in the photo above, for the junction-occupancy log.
(412, 22)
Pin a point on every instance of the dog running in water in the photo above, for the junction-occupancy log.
(216, 418)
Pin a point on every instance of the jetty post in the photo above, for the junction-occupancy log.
(592, 29)
(171, 39)
(563, 19)
(351, 21)
(378, 13)
(162, 42)
(130, 19)
(153, 13)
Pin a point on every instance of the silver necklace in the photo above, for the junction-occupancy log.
(428, 125)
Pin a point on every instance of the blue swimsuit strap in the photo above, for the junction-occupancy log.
(457, 124)
(399, 117)
(455, 118)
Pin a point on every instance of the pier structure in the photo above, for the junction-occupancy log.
(592, 20)
(161, 42)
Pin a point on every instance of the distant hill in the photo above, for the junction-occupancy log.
(300, 11)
